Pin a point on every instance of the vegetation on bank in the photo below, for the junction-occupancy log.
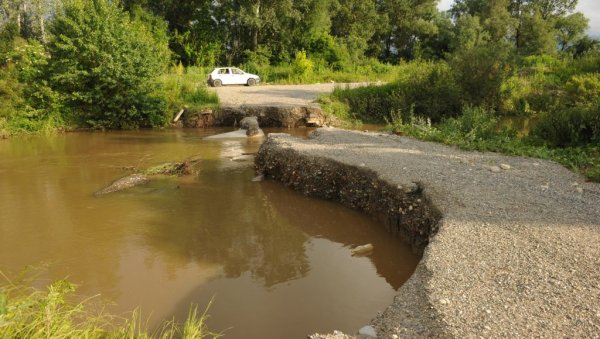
(434, 101)
(109, 64)
(30, 313)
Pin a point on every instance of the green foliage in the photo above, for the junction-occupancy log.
(427, 89)
(480, 72)
(28, 103)
(187, 88)
(583, 88)
(477, 129)
(302, 66)
(573, 126)
(106, 65)
(29, 313)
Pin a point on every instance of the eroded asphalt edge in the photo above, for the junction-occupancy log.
(517, 252)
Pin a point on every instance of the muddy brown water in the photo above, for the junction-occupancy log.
(277, 264)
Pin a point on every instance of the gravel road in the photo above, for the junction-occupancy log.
(517, 254)
(274, 95)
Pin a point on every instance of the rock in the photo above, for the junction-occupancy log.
(258, 178)
(362, 250)
(250, 125)
(579, 190)
(234, 135)
(123, 183)
(174, 168)
(444, 301)
(495, 169)
(289, 116)
(243, 158)
(368, 331)
(505, 167)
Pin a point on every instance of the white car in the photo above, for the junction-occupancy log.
(231, 76)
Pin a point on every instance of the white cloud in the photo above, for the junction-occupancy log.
(590, 8)
(444, 5)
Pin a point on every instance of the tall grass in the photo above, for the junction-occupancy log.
(187, 87)
(26, 312)
(305, 71)
(477, 129)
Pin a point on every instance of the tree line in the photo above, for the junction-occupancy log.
(209, 32)
(103, 63)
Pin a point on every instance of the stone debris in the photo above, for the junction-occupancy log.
(368, 332)
(362, 250)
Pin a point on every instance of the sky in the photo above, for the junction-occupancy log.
(590, 8)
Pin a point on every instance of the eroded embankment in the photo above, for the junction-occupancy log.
(403, 210)
(516, 248)
(268, 116)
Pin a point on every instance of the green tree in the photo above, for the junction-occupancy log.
(105, 64)
(570, 29)
(354, 22)
(409, 23)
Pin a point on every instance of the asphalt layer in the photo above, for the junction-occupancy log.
(517, 253)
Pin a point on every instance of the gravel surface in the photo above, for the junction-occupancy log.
(517, 253)
(274, 95)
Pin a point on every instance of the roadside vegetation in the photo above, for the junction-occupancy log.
(557, 97)
(26, 312)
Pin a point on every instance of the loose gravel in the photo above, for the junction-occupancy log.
(517, 253)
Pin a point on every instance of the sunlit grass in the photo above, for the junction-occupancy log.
(26, 312)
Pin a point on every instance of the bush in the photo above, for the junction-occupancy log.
(106, 65)
(302, 65)
(579, 125)
(475, 124)
(425, 89)
(480, 72)
(583, 88)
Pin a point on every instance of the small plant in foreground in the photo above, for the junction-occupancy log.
(29, 313)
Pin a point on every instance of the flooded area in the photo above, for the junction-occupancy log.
(277, 264)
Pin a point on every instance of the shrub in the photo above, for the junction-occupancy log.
(302, 65)
(583, 88)
(106, 65)
(579, 125)
(475, 124)
(426, 89)
(480, 72)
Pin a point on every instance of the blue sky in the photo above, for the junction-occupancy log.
(590, 8)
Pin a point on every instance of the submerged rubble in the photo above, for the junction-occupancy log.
(186, 167)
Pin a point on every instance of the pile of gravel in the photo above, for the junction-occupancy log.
(517, 248)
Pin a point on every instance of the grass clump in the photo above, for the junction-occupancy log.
(186, 87)
(30, 313)
(478, 129)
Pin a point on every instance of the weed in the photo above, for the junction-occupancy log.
(29, 313)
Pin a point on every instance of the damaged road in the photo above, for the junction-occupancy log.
(509, 244)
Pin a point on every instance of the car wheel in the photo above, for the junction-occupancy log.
(217, 83)
(251, 82)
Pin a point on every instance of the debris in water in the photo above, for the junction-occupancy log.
(362, 250)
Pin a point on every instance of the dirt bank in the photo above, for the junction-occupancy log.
(514, 251)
